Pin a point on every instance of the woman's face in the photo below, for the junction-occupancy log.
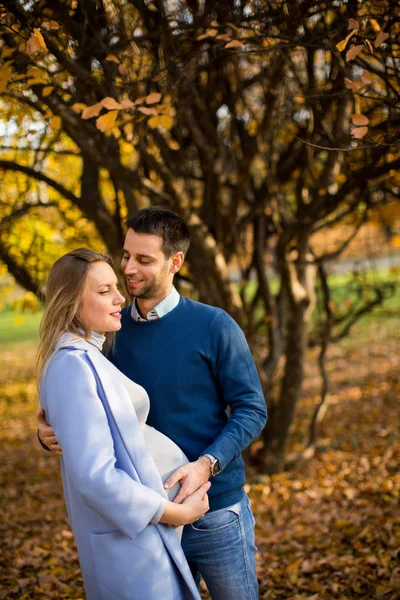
(101, 302)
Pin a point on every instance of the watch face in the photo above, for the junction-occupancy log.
(215, 468)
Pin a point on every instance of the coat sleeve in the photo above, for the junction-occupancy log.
(234, 369)
(70, 397)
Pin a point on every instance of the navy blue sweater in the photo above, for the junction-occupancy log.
(196, 366)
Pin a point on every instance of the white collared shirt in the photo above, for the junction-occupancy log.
(160, 310)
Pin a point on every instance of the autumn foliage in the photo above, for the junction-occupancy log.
(264, 124)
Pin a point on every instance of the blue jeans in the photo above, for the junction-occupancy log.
(221, 548)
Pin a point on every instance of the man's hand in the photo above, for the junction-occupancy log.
(192, 476)
(46, 434)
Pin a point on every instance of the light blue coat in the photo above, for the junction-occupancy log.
(112, 487)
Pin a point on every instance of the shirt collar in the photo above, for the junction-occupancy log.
(160, 310)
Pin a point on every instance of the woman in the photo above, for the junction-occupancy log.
(115, 499)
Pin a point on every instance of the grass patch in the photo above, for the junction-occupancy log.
(19, 327)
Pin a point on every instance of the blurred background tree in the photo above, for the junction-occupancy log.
(264, 124)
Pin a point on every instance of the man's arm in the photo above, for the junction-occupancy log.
(236, 374)
(45, 433)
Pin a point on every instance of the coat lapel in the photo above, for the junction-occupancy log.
(127, 423)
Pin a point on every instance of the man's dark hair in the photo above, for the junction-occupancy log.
(163, 222)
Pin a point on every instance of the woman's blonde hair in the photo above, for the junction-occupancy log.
(64, 291)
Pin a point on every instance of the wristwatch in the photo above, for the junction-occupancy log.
(214, 466)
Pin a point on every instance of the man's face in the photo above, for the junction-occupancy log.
(147, 271)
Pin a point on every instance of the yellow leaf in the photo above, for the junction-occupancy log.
(5, 74)
(380, 38)
(234, 44)
(39, 36)
(111, 104)
(396, 241)
(106, 122)
(173, 144)
(342, 45)
(359, 120)
(50, 25)
(6, 52)
(161, 121)
(153, 98)
(92, 111)
(55, 123)
(252, 127)
(359, 132)
(46, 91)
(18, 320)
(3, 85)
(78, 107)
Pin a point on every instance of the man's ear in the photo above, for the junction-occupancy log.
(176, 262)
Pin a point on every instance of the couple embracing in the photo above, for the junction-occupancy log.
(150, 436)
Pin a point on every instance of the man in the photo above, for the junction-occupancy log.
(195, 364)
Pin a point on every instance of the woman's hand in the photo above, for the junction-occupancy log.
(192, 508)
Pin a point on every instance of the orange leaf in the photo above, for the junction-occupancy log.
(127, 103)
(40, 38)
(55, 123)
(353, 52)
(359, 132)
(50, 25)
(122, 70)
(32, 45)
(46, 91)
(107, 121)
(380, 38)
(234, 44)
(111, 104)
(112, 58)
(147, 111)
(366, 77)
(352, 85)
(359, 120)
(92, 111)
(153, 98)
(353, 24)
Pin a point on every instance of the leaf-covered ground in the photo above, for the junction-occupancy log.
(329, 529)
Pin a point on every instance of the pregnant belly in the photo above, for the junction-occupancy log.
(166, 454)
